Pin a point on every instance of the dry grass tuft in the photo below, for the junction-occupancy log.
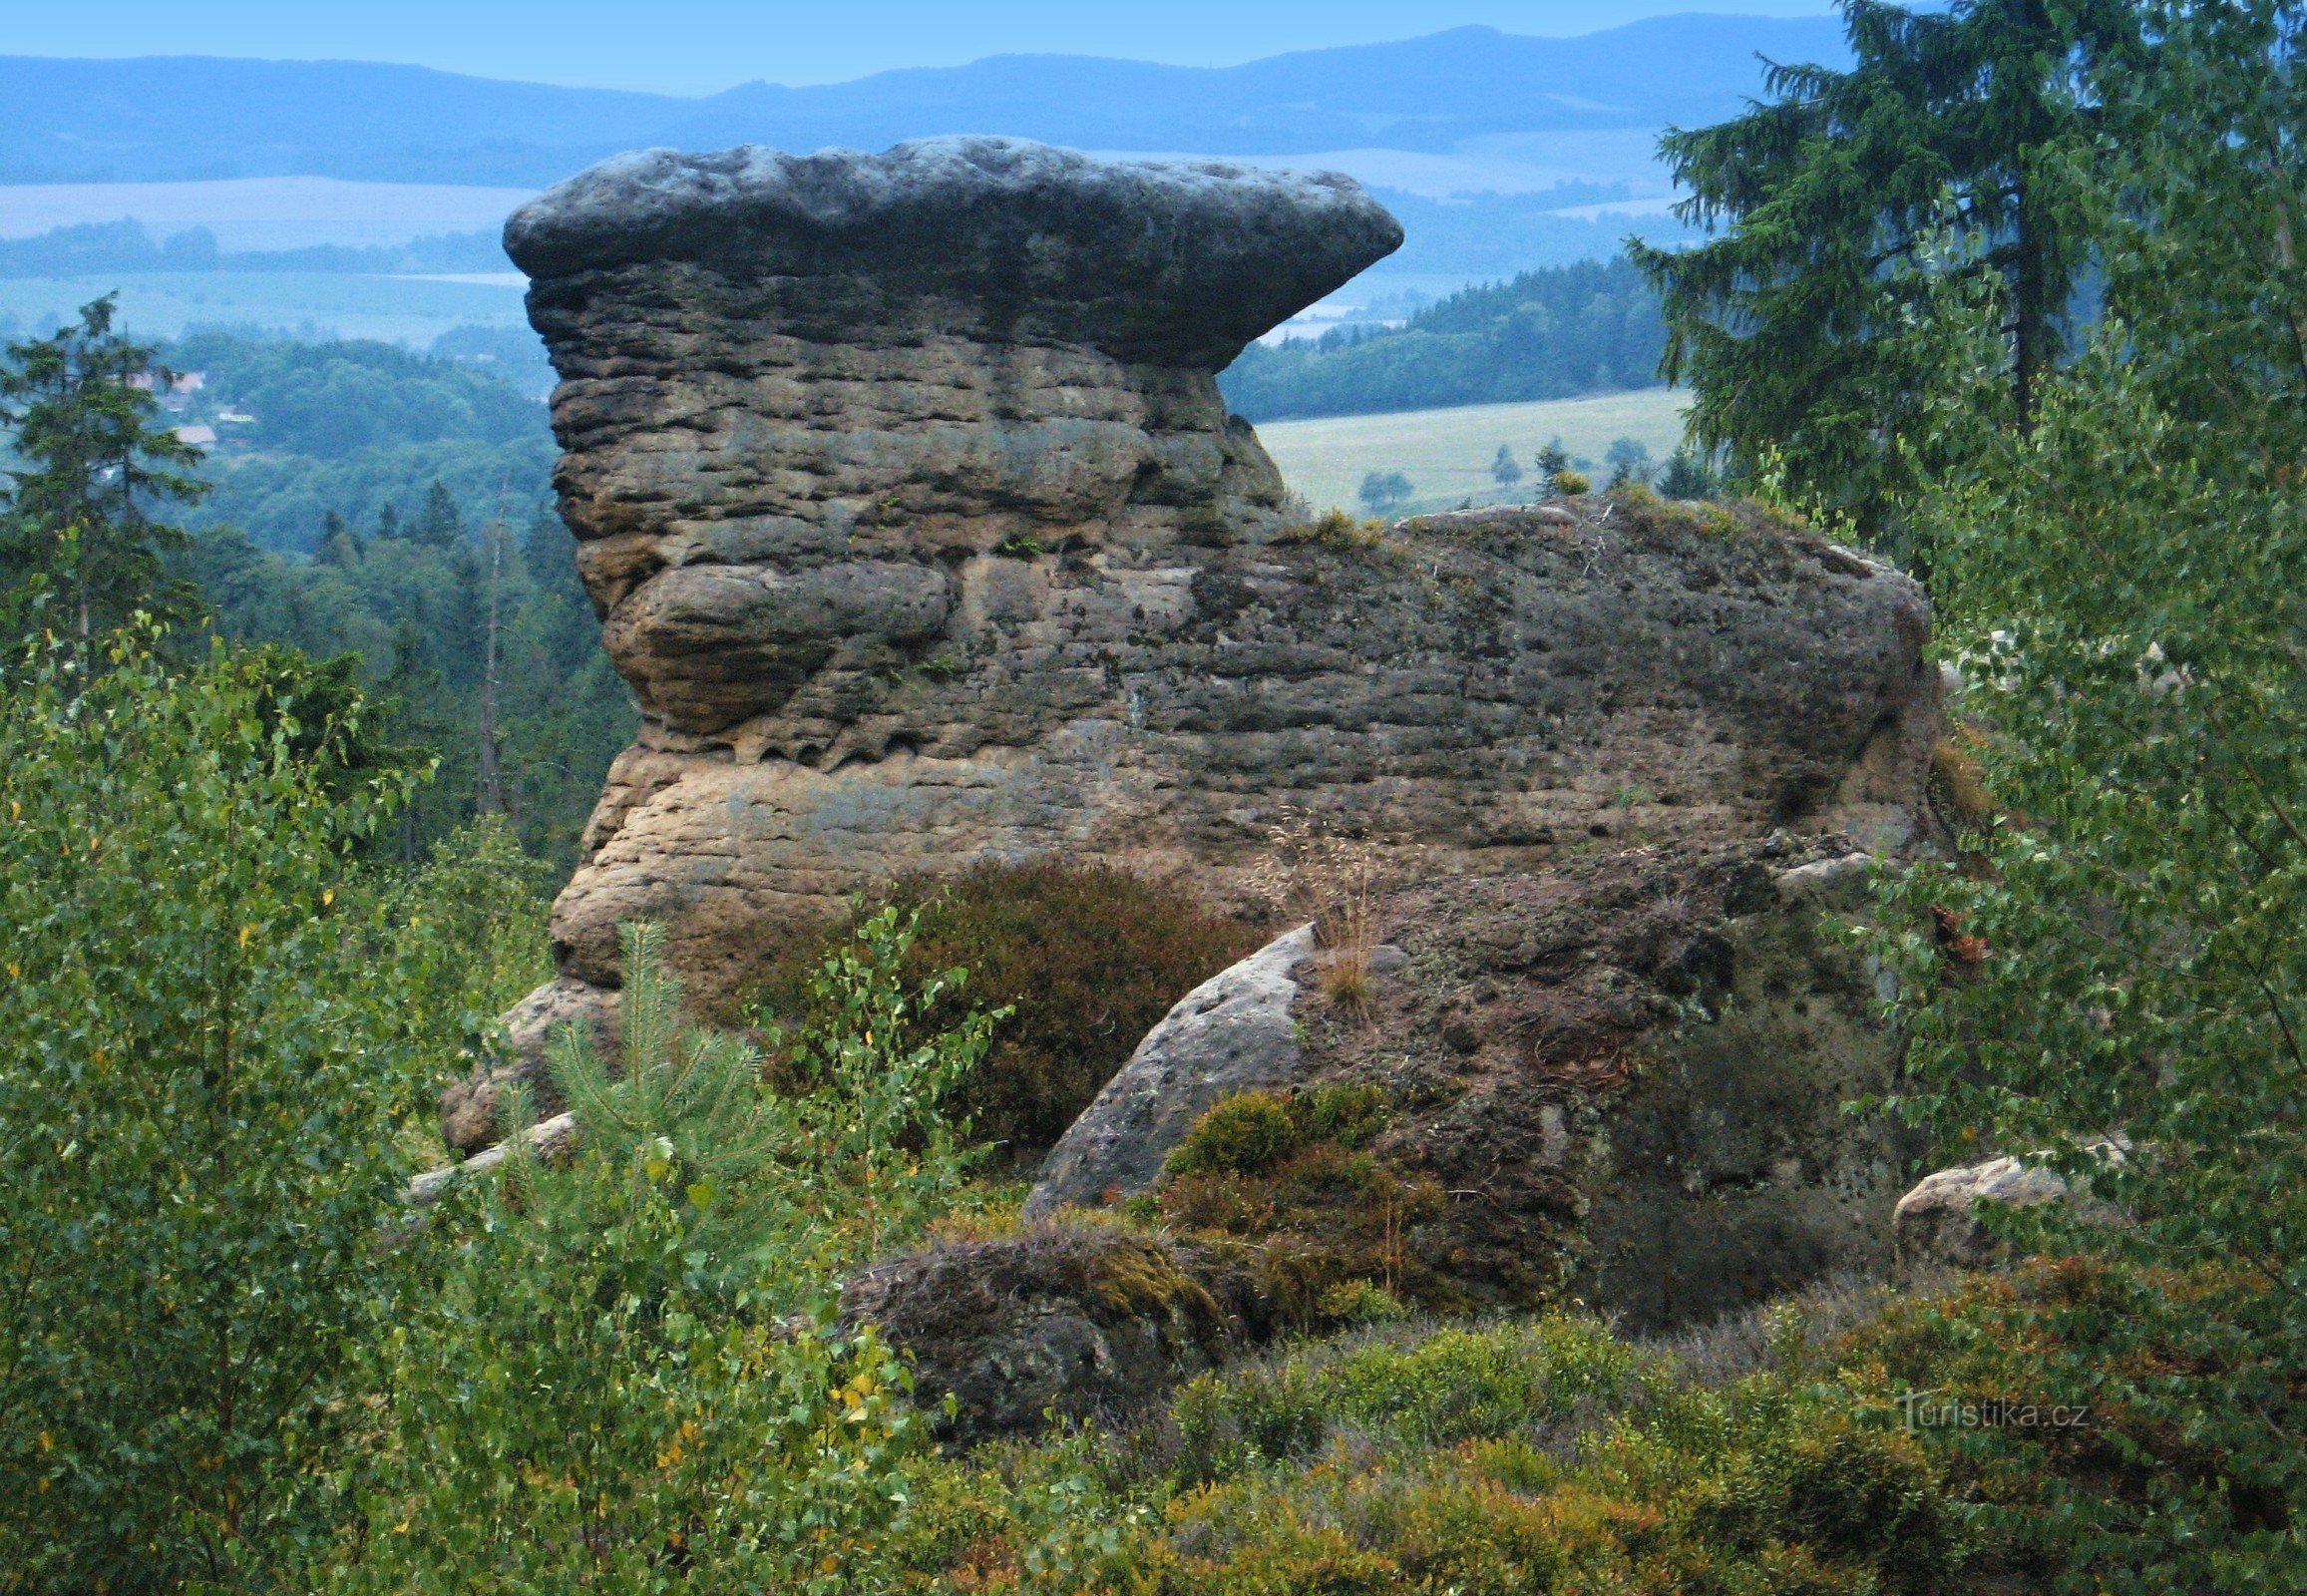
(1341, 885)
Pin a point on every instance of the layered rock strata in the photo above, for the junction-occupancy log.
(918, 527)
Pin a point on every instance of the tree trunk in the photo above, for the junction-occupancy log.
(2030, 294)
(490, 795)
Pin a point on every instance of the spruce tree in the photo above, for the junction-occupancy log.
(339, 544)
(438, 525)
(1806, 326)
(80, 519)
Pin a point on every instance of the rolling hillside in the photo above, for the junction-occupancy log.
(175, 117)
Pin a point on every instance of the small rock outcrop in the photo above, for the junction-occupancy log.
(1076, 1322)
(1937, 1224)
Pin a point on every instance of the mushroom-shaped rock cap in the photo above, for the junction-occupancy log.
(1173, 263)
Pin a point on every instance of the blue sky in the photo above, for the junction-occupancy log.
(695, 47)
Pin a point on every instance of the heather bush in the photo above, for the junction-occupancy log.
(1086, 957)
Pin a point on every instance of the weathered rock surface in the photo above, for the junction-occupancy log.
(1082, 1322)
(1231, 1034)
(1625, 1075)
(918, 525)
(1937, 1224)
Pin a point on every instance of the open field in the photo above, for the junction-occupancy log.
(1446, 454)
(310, 303)
(263, 212)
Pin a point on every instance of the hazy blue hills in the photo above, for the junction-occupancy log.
(170, 118)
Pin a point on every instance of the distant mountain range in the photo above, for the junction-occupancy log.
(1470, 92)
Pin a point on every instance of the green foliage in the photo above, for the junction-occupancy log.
(416, 614)
(879, 1073)
(1325, 1228)
(1251, 1132)
(1569, 484)
(469, 929)
(634, 1374)
(1629, 463)
(2123, 957)
(205, 1069)
(1544, 1456)
(1435, 1390)
(1246, 1134)
(282, 500)
(1549, 334)
(1086, 958)
(1688, 475)
(1854, 207)
(1383, 491)
(77, 526)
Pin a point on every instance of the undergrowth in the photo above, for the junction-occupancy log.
(1770, 1453)
(1285, 1184)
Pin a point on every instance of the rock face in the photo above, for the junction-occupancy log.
(1231, 1034)
(918, 527)
(1080, 1322)
(1622, 1075)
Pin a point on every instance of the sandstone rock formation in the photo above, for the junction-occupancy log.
(918, 527)
(915, 520)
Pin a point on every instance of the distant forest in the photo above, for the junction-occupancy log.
(369, 500)
(355, 427)
(93, 248)
(1548, 334)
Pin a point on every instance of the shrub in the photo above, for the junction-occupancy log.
(1251, 1132)
(207, 1052)
(1086, 957)
(635, 1374)
(1246, 1134)
(1287, 1174)
(1569, 484)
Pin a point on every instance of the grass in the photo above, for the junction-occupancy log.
(1446, 454)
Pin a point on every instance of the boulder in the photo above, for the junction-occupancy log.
(1937, 1224)
(1058, 1320)
(1231, 1034)
(469, 1108)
